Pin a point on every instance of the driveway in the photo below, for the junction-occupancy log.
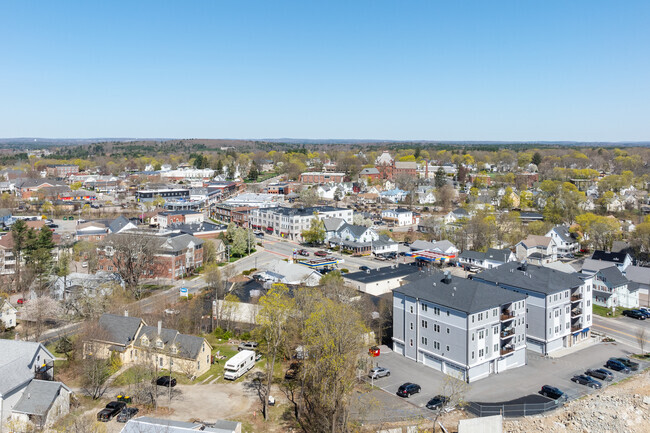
(505, 386)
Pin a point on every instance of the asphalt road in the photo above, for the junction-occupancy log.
(623, 329)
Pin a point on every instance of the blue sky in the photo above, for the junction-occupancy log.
(453, 70)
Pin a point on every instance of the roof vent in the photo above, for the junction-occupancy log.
(447, 278)
(524, 265)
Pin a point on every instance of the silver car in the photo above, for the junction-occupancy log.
(378, 372)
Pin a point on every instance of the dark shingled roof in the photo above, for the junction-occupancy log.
(461, 294)
(188, 346)
(613, 276)
(534, 278)
(120, 329)
(609, 257)
(381, 274)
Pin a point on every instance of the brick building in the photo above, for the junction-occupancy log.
(61, 170)
(321, 177)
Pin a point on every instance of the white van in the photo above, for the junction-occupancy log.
(239, 364)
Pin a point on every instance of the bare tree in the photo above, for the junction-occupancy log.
(85, 423)
(37, 311)
(94, 379)
(453, 392)
(133, 256)
(445, 196)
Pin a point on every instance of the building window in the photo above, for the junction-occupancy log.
(425, 324)
(496, 348)
(495, 330)
(588, 317)
(411, 309)
(424, 340)
(447, 330)
(472, 336)
(480, 316)
(447, 313)
(424, 307)
(436, 345)
(411, 342)
(411, 326)
(472, 354)
(480, 353)
(436, 310)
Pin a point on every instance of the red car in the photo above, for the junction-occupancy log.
(304, 253)
(21, 301)
(321, 253)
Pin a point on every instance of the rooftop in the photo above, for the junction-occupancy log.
(531, 277)
(382, 274)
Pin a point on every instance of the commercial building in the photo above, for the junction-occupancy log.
(290, 222)
(559, 306)
(146, 195)
(321, 177)
(380, 281)
(61, 170)
(461, 327)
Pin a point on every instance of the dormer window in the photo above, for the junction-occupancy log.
(159, 343)
(174, 349)
(145, 341)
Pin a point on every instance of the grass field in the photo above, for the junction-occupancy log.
(607, 312)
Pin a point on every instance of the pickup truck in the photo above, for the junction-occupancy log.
(111, 409)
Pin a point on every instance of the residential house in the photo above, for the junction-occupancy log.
(5, 217)
(400, 217)
(613, 289)
(493, 258)
(621, 259)
(359, 240)
(558, 304)
(393, 195)
(369, 173)
(146, 424)
(134, 342)
(457, 215)
(291, 222)
(180, 216)
(7, 258)
(291, 274)
(464, 328)
(426, 195)
(639, 275)
(566, 242)
(78, 285)
(377, 282)
(8, 315)
(537, 250)
(97, 230)
(24, 365)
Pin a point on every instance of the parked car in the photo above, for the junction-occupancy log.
(21, 301)
(364, 268)
(552, 392)
(408, 389)
(378, 372)
(635, 314)
(634, 366)
(293, 370)
(111, 409)
(53, 226)
(167, 381)
(304, 253)
(600, 373)
(127, 413)
(247, 345)
(617, 366)
(380, 258)
(587, 380)
(321, 253)
(644, 312)
(437, 402)
(259, 234)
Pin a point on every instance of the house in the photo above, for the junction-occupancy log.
(558, 304)
(145, 424)
(491, 259)
(379, 281)
(621, 259)
(461, 327)
(8, 315)
(203, 230)
(393, 195)
(400, 217)
(291, 274)
(613, 289)
(369, 173)
(426, 195)
(5, 217)
(332, 225)
(78, 285)
(97, 230)
(456, 215)
(528, 217)
(537, 250)
(24, 365)
(566, 242)
(639, 275)
(360, 240)
(134, 342)
(291, 222)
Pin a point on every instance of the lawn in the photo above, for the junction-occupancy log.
(222, 348)
(606, 312)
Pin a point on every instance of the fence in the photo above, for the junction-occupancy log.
(512, 410)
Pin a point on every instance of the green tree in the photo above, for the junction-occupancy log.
(440, 179)
(253, 173)
(158, 201)
(537, 159)
(273, 319)
(47, 207)
(315, 234)
(240, 243)
(76, 186)
(19, 232)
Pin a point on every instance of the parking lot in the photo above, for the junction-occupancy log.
(508, 385)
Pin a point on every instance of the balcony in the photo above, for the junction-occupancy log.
(507, 349)
(507, 333)
(507, 315)
(576, 298)
(576, 328)
(576, 312)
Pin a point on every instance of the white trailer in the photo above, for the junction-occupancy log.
(239, 364)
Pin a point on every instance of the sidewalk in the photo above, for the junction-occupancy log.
(575, 348)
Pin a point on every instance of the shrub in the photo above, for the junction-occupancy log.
(345, 271)
(245, 336)
(246, 273)
(222, 334)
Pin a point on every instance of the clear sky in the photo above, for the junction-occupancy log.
(452, 70)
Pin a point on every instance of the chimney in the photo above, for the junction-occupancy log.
(159, 326)
(447, 278)
(126, 313)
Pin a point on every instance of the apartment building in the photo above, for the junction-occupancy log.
(322, 177)
(559, 309)
(61, 170)
(290, 222)
(400, 217)
(146, 195)
(166, 219)
(461, 327)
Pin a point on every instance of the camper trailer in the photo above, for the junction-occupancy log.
(239, 364)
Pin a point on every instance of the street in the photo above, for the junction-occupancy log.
(623, 329)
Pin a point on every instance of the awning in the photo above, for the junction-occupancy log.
(585, 330)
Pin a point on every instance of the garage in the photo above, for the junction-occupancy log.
(432, 362)
(535, 346)
(398, 348)
(455, 371)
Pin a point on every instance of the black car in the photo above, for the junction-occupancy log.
(364, 268)
(127, 413)
(644, 312)
(552, 392)
(635, 314)
(437, 402)
(586, 380)
(615, 365)
(111, 409)
(408, 389)
(600, 373)
(166, 381)
(634, 366)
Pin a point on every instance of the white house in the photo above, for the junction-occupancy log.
(491, 259)
(566, 242)
(394, 195)
(613, 289)
(8, 315)
(400, 217)
(426, 195)
(537, 250)
(456, 215)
